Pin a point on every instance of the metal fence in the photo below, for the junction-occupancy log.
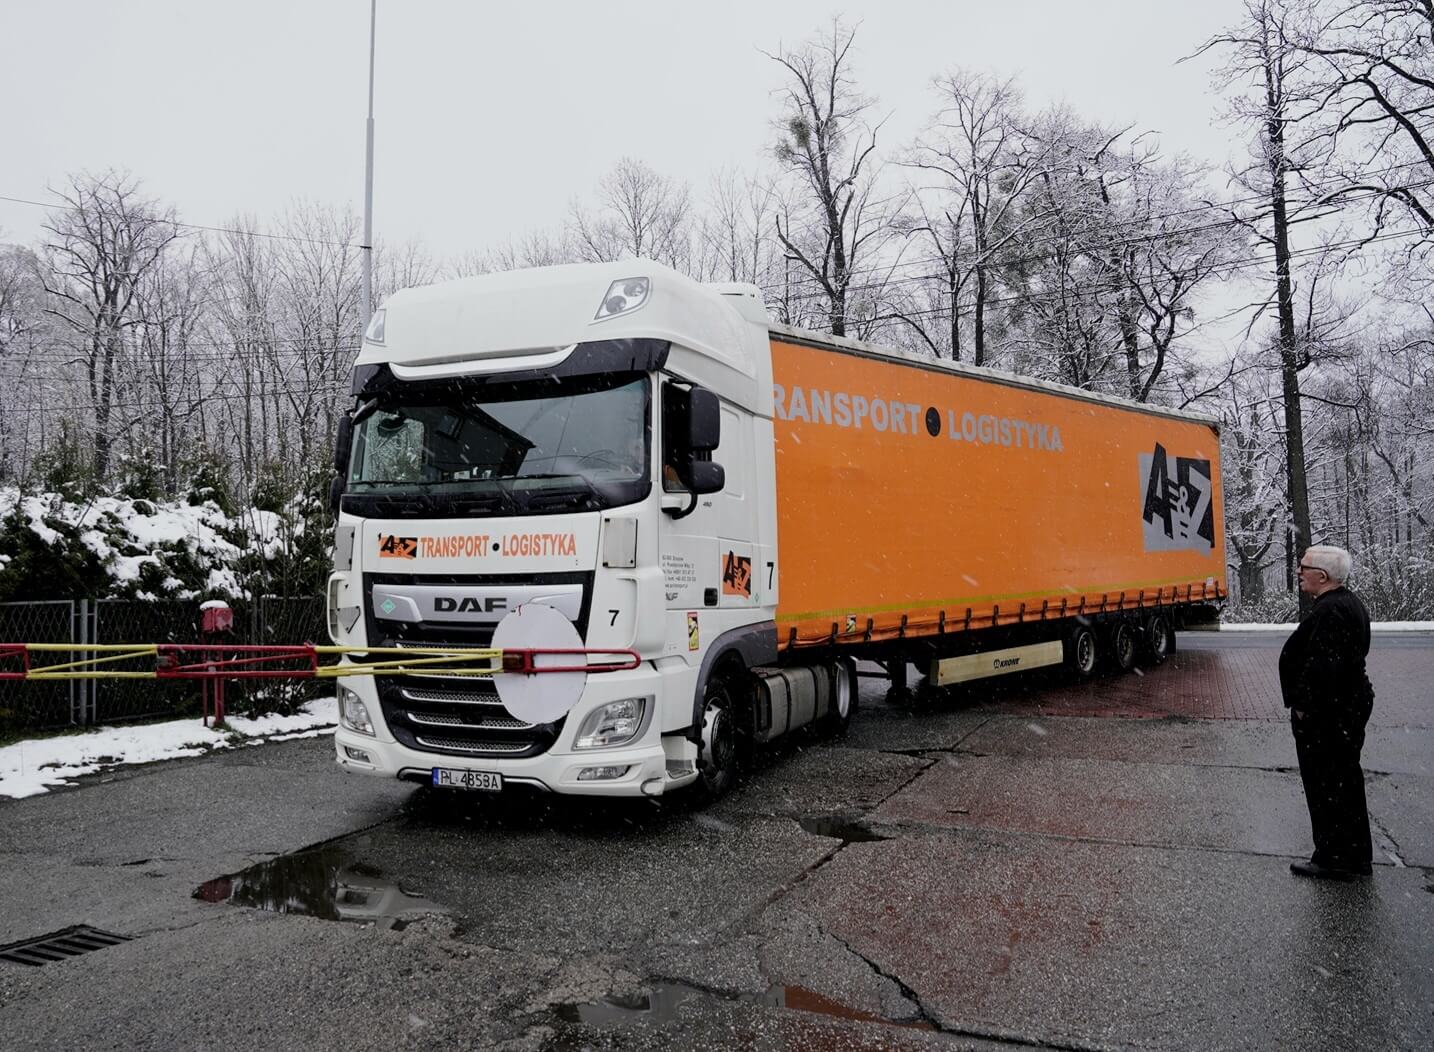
(40, 704)
(44, 704)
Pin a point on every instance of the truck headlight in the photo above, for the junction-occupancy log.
(353, 713)
(616, 723)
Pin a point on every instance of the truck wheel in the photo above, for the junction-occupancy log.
(844, 698)
(1081, 654)
(1122, 647)
(1159, 639)
(717, 751)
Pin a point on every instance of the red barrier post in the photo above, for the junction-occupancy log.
(216, 622)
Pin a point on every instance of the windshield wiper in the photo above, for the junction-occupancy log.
(592, 497)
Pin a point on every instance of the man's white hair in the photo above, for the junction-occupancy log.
(1334, 561)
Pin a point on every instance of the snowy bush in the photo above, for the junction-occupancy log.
(54, 546)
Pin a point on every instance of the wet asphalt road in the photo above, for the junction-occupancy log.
(1040, 864)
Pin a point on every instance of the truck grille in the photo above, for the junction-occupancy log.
(473, 748)
(461, 716)
(457, 715)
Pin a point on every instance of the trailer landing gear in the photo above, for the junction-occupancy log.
(899, 693)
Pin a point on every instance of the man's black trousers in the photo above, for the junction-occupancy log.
(1328, 749)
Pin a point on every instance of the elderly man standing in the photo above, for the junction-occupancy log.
(1325, 688)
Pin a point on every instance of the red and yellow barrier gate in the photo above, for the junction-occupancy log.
(18, 661)
(214, 664)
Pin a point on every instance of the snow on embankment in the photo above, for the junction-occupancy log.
(33, 766)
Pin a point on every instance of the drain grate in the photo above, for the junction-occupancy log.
(59, 945)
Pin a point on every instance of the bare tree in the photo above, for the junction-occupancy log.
(829, 151)
(402, 266)
(1261, 58)
(319, 276)
(1065, 294)
(1253, 486)
(21, 393)
(246, 322)
(1160, 254)
(732, 234)
(1372, 63)
(100, 245)
(163, 377)
(983, 163)
(641, 214)
(537, 248)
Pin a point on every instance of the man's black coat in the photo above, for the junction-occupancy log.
(1322, 665)
(1323, 680)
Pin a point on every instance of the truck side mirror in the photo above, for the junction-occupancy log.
(343, 445)
(706, 476)
(704, 421)
(692, 422)
(336, 492)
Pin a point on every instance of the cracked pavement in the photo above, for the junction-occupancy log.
(1034, 864)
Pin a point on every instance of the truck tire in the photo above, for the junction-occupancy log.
(1159, 639)
(1121, 646)
(1082, 656)
(844, 698)
(717, 750)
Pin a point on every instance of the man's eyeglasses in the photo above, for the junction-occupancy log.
(1306, 566)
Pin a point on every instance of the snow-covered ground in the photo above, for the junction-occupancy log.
(33, 766)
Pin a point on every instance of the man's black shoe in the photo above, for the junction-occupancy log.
(1319, 872)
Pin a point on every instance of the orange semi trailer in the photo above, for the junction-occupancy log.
(613, 459)
(979, 523)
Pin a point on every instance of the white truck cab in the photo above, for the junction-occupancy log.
(596, 439)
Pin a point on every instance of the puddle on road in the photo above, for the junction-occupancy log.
(841, 827)
(327, 882)
(661, 1003)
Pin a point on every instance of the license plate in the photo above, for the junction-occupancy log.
(452, 778)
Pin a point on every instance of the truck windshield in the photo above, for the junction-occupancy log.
(535, 448)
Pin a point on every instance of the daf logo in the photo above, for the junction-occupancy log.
(447, 604)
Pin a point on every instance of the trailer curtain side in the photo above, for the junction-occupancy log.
(915, 499)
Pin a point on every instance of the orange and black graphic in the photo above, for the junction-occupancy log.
(737, 575)
(1178, 510)
(391, 546)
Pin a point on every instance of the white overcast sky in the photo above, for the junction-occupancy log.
(491, 117)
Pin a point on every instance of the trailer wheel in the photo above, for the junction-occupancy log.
(844, 698)
(717, 751)
(1123, 647)
(1081, 653)
(1159, 639)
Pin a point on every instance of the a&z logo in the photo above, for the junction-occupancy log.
(1177, 514)
(391, 546)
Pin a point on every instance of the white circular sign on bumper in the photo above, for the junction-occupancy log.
(545, 696)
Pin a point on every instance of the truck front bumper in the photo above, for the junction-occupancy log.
(652, 764)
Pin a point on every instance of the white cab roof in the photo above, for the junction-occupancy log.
(531, 319)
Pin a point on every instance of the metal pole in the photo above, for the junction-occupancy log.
(367, 307)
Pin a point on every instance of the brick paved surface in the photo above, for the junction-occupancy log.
(1210, 681)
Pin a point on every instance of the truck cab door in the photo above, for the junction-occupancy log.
(707, 550)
